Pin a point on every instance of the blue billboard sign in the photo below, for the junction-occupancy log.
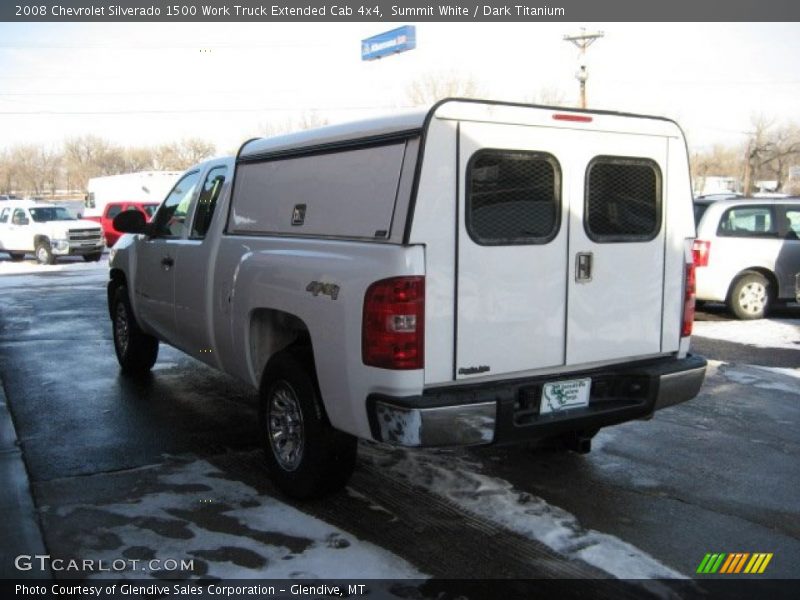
(390, 42)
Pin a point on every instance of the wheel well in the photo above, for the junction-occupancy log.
(272, 331)
(769, 275)
(117, 279)
(40, 238)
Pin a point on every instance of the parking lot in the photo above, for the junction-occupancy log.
(170, 469)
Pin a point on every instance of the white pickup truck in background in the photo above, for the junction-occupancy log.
(47, 231)
(475, 273)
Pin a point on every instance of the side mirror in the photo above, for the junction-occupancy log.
(130, 221)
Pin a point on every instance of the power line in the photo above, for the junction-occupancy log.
(201, 110)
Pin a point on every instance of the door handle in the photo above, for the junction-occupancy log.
(583, 267)
(167, 262)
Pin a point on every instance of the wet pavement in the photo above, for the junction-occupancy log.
(170, 468)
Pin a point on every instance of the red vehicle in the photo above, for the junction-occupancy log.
(112, 209)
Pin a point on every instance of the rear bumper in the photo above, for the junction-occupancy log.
(508, 411)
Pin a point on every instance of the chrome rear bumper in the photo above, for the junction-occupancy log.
(475, 415)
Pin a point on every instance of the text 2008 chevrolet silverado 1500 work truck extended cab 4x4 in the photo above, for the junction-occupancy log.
(477, 273)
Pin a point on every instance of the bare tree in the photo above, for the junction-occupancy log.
(434, 86)
(49, 164)
(26, 161)
(550, 96)
(6, 172)
(90, 156)
(306, 120)
(141, 158)
(719, 160)
(178, 156)
(771, 150)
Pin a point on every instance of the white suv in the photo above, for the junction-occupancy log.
(747, 253)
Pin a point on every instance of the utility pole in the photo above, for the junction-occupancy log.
(582, 41)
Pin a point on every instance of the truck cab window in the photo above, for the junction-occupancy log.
(208, 201)
(4, 215)
(170, 221)
(19, 217)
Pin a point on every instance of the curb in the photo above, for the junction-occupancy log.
(20, 530)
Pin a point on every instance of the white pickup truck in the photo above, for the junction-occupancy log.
(476, 273)
(47, 231)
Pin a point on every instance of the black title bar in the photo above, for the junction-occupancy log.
(397, 10)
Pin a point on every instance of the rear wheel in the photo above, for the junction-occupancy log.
(94, 257)
(44, 254)
(306, 456)
(136, 351)
(16, 256)
(750, 297)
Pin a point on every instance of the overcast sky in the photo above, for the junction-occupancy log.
(151, 83)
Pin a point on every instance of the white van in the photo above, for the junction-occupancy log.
(747, 253)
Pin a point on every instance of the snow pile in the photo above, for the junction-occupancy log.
(238, 533)
(31, 267)
(762, 333)
(765, 378)
(451, 476)
(30, 274)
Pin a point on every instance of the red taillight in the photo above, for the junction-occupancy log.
(688, 301)
(393, 331)
(700, 251)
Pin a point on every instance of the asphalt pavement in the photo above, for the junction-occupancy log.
(171, 466)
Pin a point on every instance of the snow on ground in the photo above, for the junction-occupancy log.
(764, 378)
(268, 539)
(762, 333)
(450, 475)
(29, 273)
(788, 372)
(31, 267)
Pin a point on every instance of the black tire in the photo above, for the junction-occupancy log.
(136, 351)
(44, 254)
(751, 296)
(291, 416)
(16, 256)
(94, 257)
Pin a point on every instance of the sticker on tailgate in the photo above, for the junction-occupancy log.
(563, 395)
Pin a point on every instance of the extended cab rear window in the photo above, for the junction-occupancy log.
(623, 199)
(513, 197)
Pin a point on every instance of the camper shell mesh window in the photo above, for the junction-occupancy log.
(623, 200)
(513, 197)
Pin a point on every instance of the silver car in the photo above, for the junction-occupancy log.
(747, 253)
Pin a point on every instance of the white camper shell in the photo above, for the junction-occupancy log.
(478, 272)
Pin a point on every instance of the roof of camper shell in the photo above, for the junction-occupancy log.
(410, 121)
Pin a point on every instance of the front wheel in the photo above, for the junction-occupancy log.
(44, 254)
(750, 297)
(306, 456)
(136, 351)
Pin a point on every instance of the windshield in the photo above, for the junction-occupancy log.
(51, 213)
(150, 209)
